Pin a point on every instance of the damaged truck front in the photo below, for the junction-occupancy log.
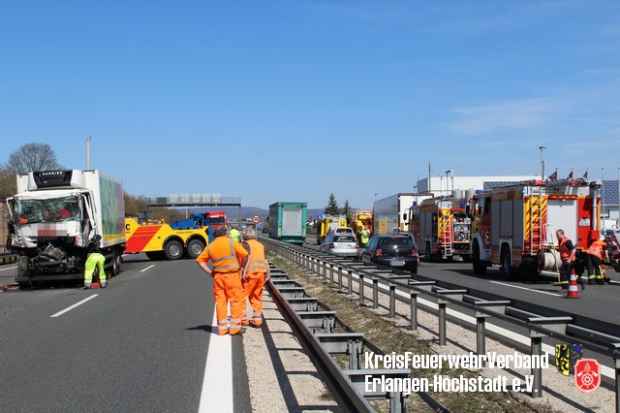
(58, 216)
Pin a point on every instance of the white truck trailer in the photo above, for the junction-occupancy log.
(57, 215)
(391, 214)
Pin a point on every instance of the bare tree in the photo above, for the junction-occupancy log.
(33, 157)
(8, 183)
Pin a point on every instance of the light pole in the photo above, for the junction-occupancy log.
(448, 172)
(87, 149)
(542, 148)
(603, 192)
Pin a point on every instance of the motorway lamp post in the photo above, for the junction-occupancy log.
(542, 148)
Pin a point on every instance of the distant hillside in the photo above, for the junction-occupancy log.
(234, 213)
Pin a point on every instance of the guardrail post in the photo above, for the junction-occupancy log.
(441, 305)
(375, 293)
(413, 307)
(339, 278)
(392, 300)
(331, 273)
(396, 402)
(481, 347)
(355, 351)
(350, 281)
(324, 270)
(360, 286)
(536, 350)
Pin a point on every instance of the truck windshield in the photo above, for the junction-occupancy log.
(215, 220)
(31, 211)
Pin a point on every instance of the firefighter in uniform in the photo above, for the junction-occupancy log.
(255, 275)
(567, 255)
(595, 257)
(227, 259)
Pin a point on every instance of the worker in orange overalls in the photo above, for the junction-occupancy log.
(595, 257)
(255, 274)
(567, 255)
(225, 259)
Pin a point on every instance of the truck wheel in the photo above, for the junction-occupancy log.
(173, 249)
(195, 247)
(116, 264)
(479, 267)
(505, 263)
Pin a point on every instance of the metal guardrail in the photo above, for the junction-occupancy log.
(319, 340)
(560, 327)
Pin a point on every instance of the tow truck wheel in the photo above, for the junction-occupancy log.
(195, 247)
(173, 249)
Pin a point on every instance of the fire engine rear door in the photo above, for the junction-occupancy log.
(561, 214)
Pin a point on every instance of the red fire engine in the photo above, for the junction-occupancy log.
(514, 226)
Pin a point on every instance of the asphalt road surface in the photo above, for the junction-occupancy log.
(595, 309)
(140, 345)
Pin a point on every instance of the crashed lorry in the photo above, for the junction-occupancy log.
(514, 226)
(54, 218)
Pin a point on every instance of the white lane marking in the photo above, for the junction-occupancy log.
(217, 388)
(525, 288)
(8, 268)
(147, 268)
(520, 338)
(71, 307)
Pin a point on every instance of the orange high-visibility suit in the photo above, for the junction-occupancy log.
(225, 256)
(255, 273)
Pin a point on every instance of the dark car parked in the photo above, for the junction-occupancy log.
(395, 251)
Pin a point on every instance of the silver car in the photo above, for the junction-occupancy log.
(343, 244)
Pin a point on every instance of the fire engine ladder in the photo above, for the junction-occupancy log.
(535, 223)
(446, 237)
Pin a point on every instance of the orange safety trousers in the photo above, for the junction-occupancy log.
(227, 288)
(253, 286)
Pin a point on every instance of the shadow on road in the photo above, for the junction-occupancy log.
(204, 327)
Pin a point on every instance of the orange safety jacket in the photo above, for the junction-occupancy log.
(224, 255)
(597, 248)
(257, 264)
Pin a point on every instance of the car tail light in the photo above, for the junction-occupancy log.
(378, 252)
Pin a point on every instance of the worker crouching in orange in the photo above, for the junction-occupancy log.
(225, 259)
(255, 275)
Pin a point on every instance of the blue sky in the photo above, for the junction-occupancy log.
(291, 100)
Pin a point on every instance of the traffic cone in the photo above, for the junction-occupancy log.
(573, 290)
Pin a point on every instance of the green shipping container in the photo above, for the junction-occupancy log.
(287, 221)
